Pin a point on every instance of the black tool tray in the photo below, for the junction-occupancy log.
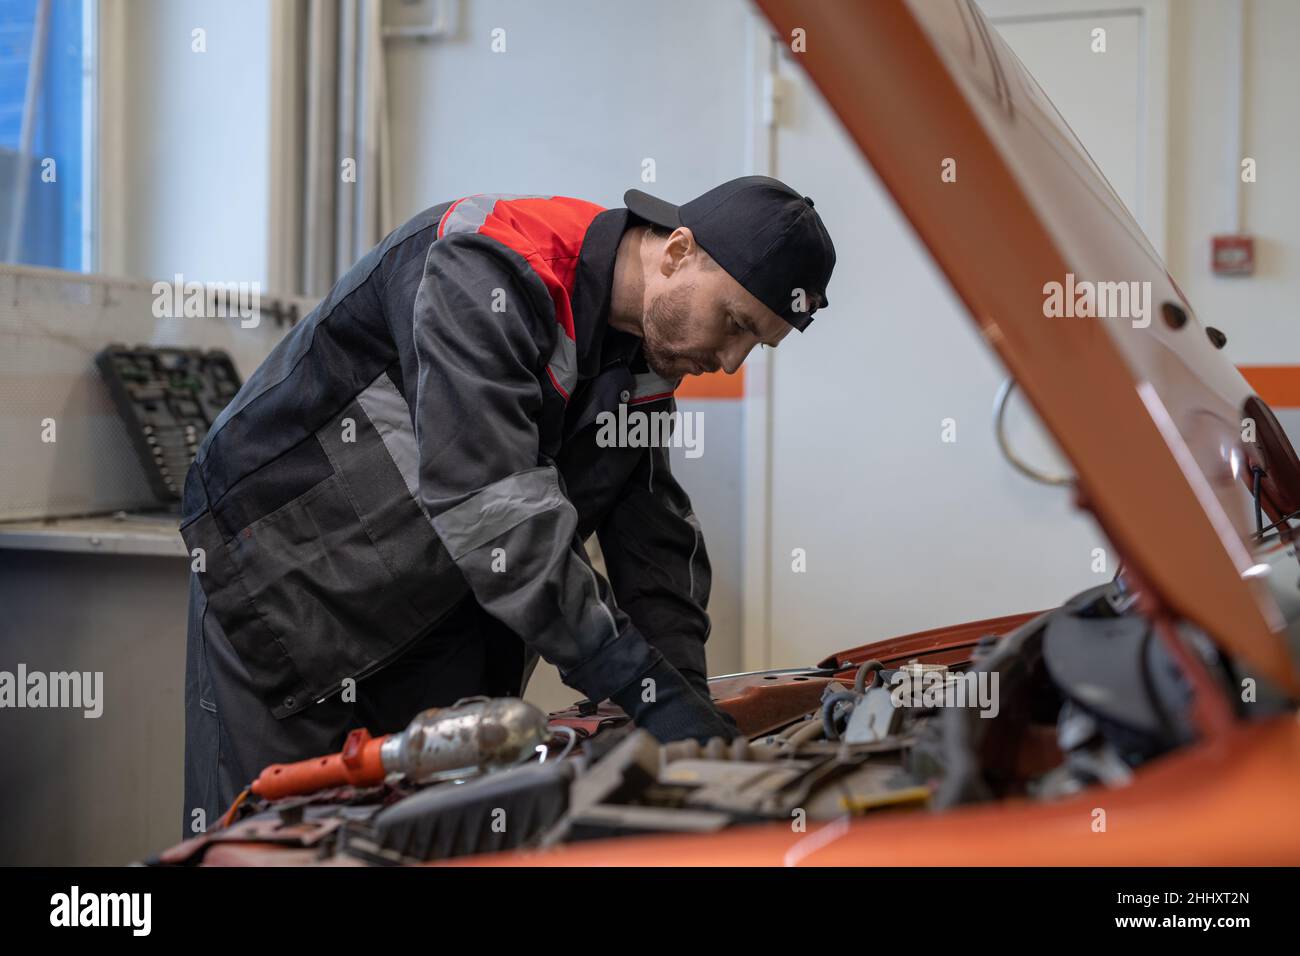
(168, 399)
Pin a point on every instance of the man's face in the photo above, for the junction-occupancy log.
(698, 318)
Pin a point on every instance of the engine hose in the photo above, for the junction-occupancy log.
(808, 730)
(874, 667)
(828, 711)
(560, 730)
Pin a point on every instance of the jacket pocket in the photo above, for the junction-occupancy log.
(336, 582)
(319, 583)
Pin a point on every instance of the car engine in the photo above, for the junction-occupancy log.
(1076, 697)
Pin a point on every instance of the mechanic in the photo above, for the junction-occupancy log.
(391, 513)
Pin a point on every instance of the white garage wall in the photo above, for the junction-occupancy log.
(1258, 314)
(588, 90)
(879, 526)
(921, 533)
(584, 93)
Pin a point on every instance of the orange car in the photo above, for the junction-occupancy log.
(1148, 721)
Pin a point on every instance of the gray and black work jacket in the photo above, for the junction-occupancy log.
(428, 433)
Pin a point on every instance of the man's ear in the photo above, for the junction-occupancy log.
(678, 247)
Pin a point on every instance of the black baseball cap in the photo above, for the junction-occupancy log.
(766, 235)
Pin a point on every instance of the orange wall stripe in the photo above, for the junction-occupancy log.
(713, 385)
(1279, 385)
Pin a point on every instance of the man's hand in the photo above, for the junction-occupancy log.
(700, 684)
(663, 702)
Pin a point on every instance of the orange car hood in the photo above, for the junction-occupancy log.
(1149, 417)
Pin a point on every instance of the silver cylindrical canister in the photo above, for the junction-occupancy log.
(471, 736)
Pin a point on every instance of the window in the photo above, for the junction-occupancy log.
(46, 100)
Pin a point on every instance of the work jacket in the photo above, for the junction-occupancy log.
(427, 435)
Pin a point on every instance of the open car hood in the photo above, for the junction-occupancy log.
(1149, 417)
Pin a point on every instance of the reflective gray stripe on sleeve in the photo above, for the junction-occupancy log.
(469, 214)
(387, 410)
(563, 365)
(546, 592)
(498, 508)
(649, 387)
(595, 593)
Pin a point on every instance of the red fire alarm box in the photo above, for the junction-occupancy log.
(1232, 255)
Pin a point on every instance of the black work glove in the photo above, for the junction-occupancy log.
(675, 711)
(700, 684)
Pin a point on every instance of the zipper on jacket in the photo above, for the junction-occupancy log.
(383, 661)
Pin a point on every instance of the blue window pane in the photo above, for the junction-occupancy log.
(46, 186)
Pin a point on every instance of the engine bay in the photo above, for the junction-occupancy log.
(1080, 696)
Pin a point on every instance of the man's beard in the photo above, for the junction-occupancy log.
(666, 321)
